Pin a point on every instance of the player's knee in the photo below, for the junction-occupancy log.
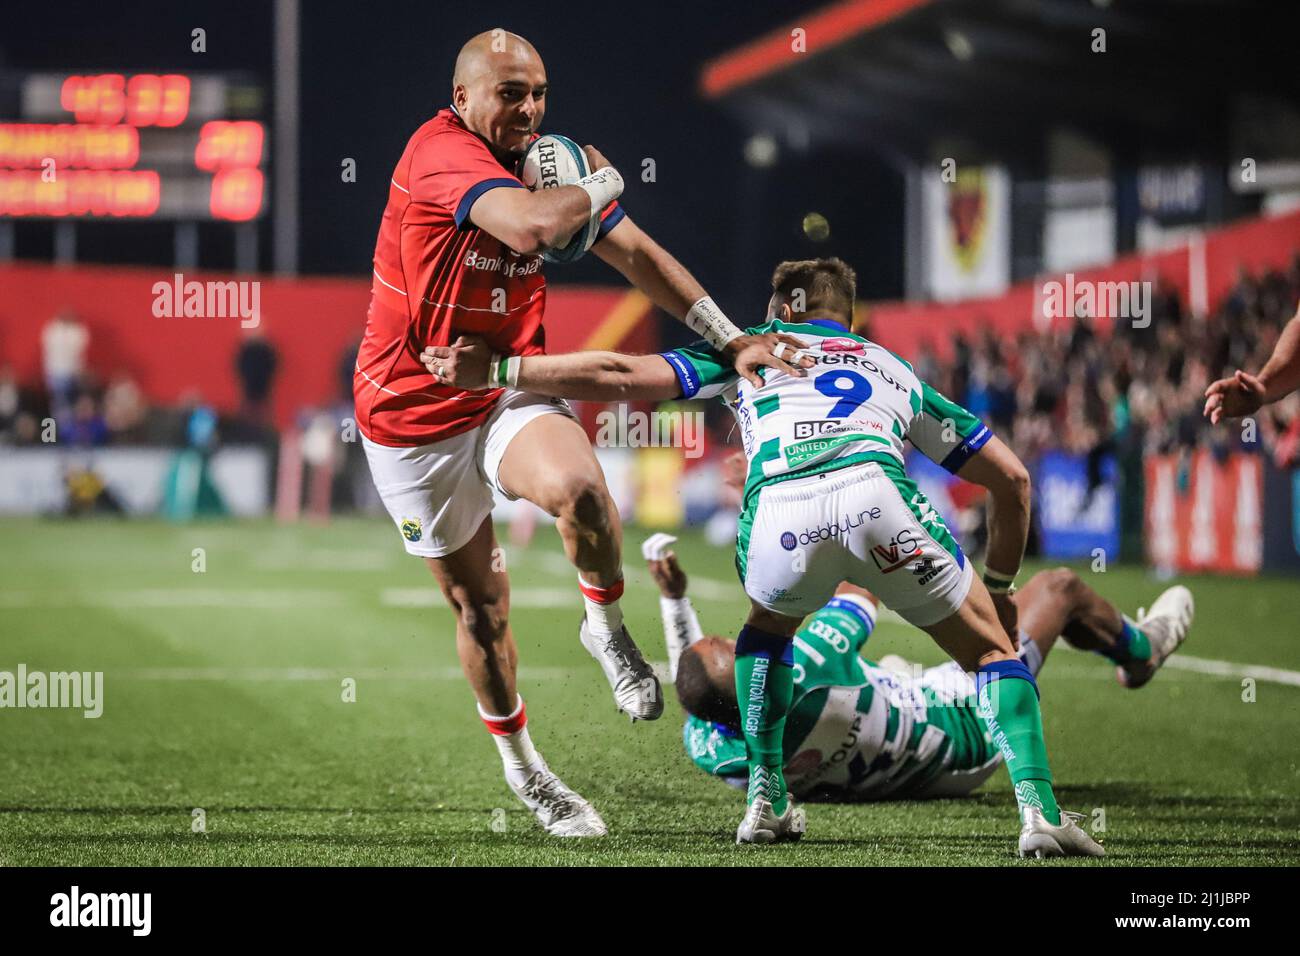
(1065, 583)
(585, 501)
(483, 618)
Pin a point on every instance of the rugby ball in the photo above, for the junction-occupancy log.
(554, 160)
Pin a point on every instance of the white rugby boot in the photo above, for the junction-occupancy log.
(1166, 626)
(559, 810)
(1040, 839)
(762, 825)
(636, 688)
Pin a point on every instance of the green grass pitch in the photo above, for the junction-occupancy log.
(224, 693)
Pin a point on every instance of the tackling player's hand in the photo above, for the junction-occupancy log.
(668, 574)
(750, 352)
(463, 364)
(1008, 616)
(1243, 394)
(595, 158)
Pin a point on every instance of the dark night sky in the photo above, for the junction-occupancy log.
(623, 76)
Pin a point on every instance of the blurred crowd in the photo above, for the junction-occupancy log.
(1130, 394)
(74, 404)
(1136, 392)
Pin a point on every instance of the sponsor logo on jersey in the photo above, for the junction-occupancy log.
(925, 569)
(856, 361)
(412, 529)
(812, 429)
(846, 747)
(841, 527)
(841, 345)
(476, 260)
(828, 426)
(901, 551)
(788, 540)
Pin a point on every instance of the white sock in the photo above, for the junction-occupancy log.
(518, 755)
(681, 629)
(603, 617)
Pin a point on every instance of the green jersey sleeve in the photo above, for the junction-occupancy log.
(715, 749)
(943, 431)
(828, 646)
(702, 371)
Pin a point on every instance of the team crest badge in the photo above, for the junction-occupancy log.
(411, 529)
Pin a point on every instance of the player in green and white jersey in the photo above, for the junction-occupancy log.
(827, 500)
(861, 731)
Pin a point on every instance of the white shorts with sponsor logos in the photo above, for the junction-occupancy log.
(867, 524)
(438, 494)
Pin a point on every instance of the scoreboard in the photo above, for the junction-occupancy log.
(171, 146)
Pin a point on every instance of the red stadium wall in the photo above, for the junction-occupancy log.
(310, 321)
(1202, 272)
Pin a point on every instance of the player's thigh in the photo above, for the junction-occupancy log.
(434, 493)
(787, 560)
(972, 635)
(904, 553)
(536, 450)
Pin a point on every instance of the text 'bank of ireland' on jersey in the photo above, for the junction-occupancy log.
(858, 403)
(437, 276)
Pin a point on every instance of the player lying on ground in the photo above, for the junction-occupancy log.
(825, 450)
(459, 251)
(862, 731)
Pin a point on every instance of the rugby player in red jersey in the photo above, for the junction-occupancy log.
(459, 252)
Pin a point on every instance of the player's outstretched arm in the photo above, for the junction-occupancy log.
(1244, 394)
(668, 284)
(594, 376)
(996, 467)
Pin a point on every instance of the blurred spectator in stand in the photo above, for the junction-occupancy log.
(124, 410)
(63, 354)
(256, 363)
(85, 425)
(10, 403)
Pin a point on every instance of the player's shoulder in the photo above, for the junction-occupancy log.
(444, 134)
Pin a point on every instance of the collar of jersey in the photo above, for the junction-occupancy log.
(828, 323)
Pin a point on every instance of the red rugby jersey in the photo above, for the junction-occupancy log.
(437, 276)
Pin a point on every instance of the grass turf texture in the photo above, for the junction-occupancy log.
(223, 691)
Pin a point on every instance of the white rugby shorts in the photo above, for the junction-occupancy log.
(866, 524)
(438, 494)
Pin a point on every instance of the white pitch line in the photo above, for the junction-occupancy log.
(1204, 665)
(519, 597)
(296, 674)
(176, 598)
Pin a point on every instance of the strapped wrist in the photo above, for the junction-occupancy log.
(999, 582)
(503, 372)
(602, 188)
(707, 320)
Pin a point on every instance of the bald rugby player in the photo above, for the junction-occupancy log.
(459, 231)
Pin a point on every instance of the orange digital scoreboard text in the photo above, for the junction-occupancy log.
(90, 164)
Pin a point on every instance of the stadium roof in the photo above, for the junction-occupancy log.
(896, 75)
